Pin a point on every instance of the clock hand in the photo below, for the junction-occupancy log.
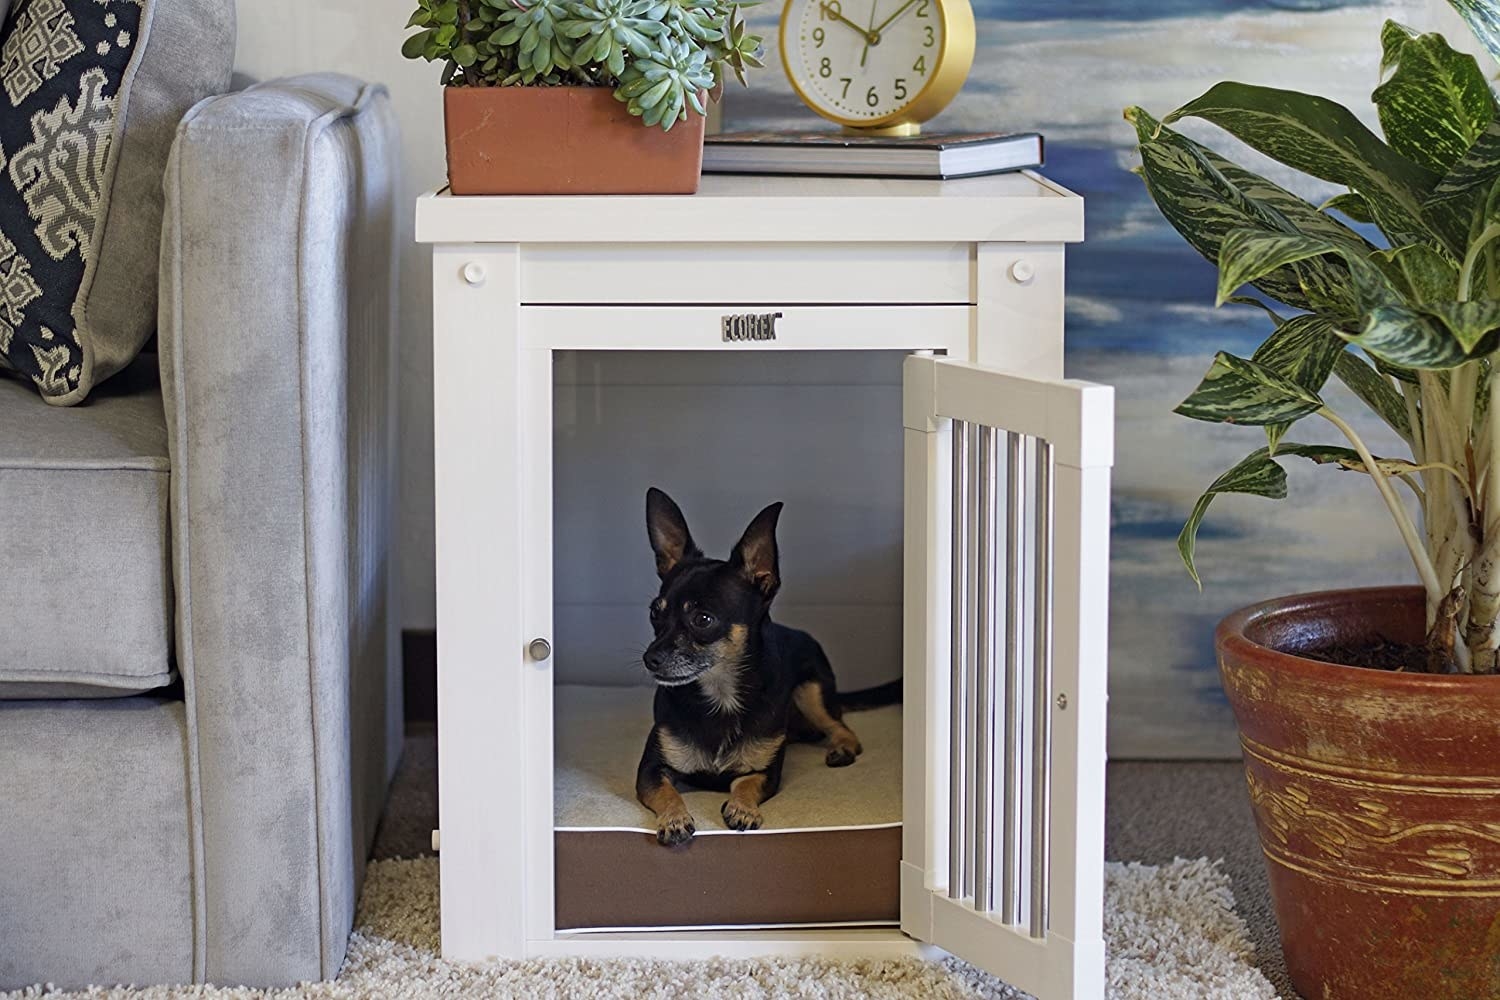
(887, 22)
(833, 12)
(871, 36)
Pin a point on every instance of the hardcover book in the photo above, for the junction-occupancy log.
(939, 156)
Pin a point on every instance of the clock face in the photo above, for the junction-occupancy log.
(870, 62)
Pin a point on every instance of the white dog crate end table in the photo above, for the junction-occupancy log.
(1005, 556)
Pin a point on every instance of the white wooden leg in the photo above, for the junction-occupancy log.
(481, 649)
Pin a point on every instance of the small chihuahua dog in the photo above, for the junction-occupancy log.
(733, 687)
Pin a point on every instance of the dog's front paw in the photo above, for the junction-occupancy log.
(841, 756)
(674, 829)
(739, 816)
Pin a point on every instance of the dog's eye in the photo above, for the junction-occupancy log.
(703, 621)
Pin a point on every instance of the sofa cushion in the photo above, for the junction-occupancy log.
(91, 92)
(85, 581)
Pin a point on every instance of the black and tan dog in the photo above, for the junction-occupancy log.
(733, 687)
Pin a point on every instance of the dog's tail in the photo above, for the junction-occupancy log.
(867, 698)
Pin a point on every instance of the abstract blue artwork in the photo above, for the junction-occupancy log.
(1140, 314)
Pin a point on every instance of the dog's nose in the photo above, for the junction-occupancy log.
(654, 659)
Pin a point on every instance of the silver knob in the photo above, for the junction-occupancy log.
(540, 650)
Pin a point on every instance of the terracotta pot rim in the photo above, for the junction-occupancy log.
(1232, 640)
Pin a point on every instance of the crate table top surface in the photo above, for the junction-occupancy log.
(1005, 208)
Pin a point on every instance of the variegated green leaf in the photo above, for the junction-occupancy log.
(1436, 103)
(1250, 300)
(1322, 138)
(1374, 391)
(1246, 252)
(1351, 204)
(1304, 350)
(1301, 213)
(1203, 205)
(1258, 474)
(1402, 336)
(1236, 391)
(1455, 208)
(1484, 19)
(1393, 38)
(1475, 325)
(1425, 274)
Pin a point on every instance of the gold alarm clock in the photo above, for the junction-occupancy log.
(878, 67)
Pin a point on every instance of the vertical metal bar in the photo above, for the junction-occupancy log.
(1041, 751)
(984, 690)
(958, 643)
(971, 655)
(1010, 762)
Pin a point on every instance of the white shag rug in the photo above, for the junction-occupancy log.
(1171, 931)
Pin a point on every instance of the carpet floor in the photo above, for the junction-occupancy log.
(1171, 925)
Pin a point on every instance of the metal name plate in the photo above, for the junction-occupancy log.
(750, 326)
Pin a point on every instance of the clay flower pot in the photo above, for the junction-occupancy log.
(1377, 797)
(564, 140)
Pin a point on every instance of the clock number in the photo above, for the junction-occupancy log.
(845, 81)
(920, 66)
(826, 69)
(871, 98)
(927, 44)
(922, 8)
(900, 88)
(830, 11)
(818, 36)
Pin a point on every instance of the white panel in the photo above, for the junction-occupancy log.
(1019, 322)
(1077, 417)
(1066, 960)
(855, 273)
(534, 486)
(482, 733)
(1010, 208)
(699, 328)
(831, 453)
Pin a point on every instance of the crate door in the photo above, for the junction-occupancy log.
(1007, 588)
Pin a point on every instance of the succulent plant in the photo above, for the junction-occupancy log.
(661, 57)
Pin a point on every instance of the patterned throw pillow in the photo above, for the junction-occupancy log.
(91, 92)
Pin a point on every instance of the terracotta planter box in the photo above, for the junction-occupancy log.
(564, 140)
(1377, 797)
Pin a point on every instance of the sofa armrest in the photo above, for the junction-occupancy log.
(277, 318)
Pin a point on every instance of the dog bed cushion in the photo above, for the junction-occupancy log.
(828, 854)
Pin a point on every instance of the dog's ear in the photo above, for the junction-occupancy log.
(756, 555)
(668, 531)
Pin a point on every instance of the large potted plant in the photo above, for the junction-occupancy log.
(1369, 719)
(579, 96)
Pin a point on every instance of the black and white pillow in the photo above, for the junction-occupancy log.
(91, 92)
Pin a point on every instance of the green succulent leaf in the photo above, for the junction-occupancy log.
(1436, 103)
(1322, 138)
(416, 46)
(1374, 391)
(1484, 20)
(1237, 391)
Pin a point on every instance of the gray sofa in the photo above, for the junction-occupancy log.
(199, 699)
